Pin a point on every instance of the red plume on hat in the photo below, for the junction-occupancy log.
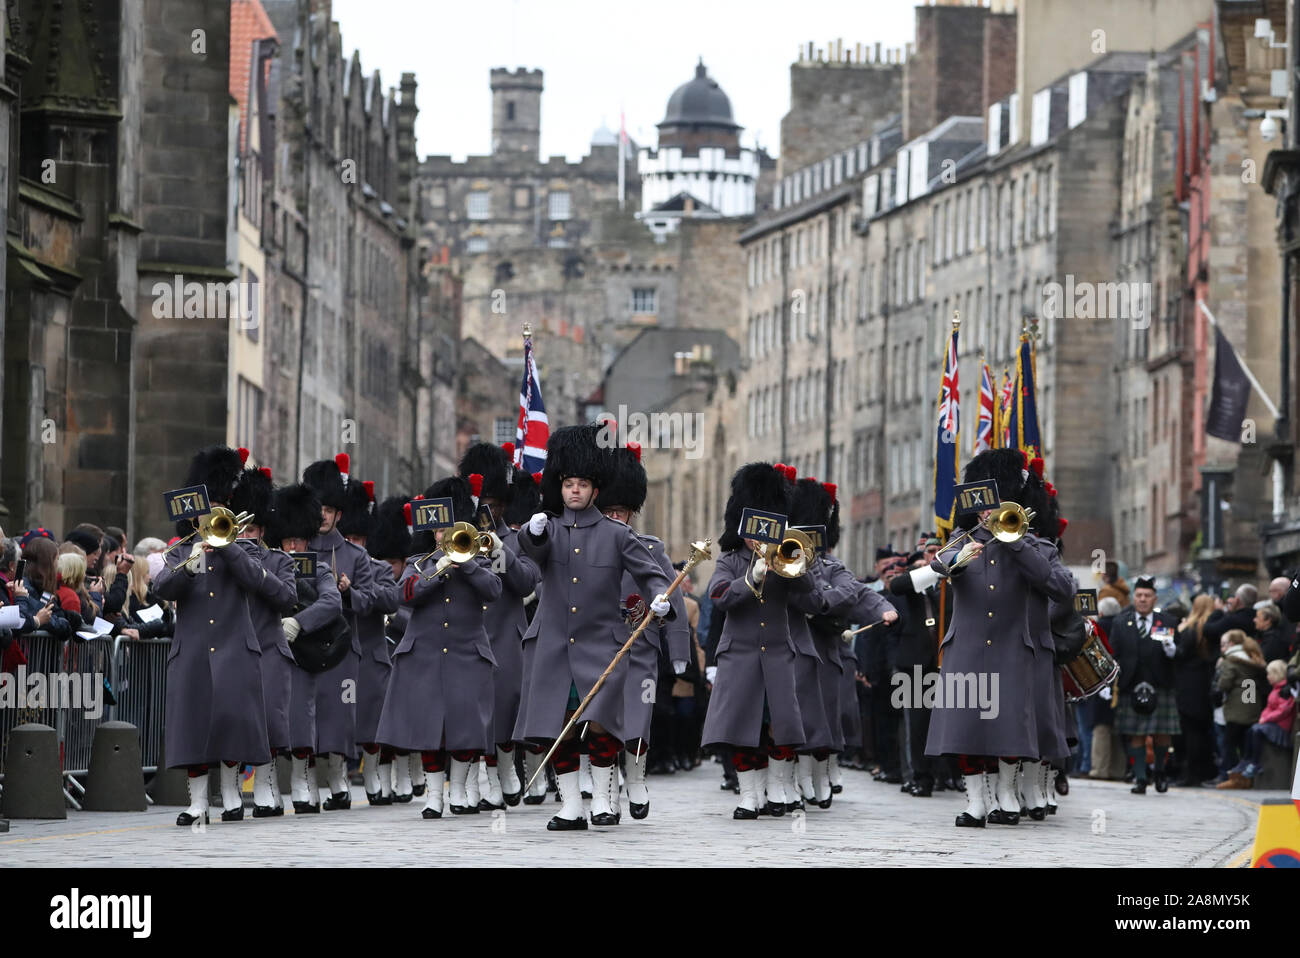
(369, 486)
(343, 462)
(1051, 489)
(243, 456)
(830, 488)
(1061, 524)
(636, 449)
(537, 478)
(266, 471)
(475, 486)
(406, 511)
(1036, 464)
(509, 447)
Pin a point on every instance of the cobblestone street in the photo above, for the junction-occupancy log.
(690, 825)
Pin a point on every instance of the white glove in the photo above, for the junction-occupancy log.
(291, 628)
(660, 606)
(710, 673)
(760, 570)
(847, 636)
(1170, 649)
(497, 544)
(1105, 692)
(923, 578)
(537, 524)
(192, 563)
(156, 562)
(679, 666)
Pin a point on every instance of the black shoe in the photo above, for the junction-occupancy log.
(922, 791)
(906, 786)
(511, 798)
(417, 791)
(430, 813)
(744, 814)
(893, 778)
(1162, 782)
(638, 811)
(267, 811)
(837, 789)
(338, 802)
(233, 814)
(606, 818)
(485, 806)
(1038, 814)
(773, 809)
(185, 818)
(534, 799)
(729, 784)
(402, 799)
(1024, 811)
(824, 803)
(1062, 783)
(1051, 809)
(463, 809)
(558, 824)
(939, 785)
(794, 806)
(1140, 788)
(999, 817)
(586, 795)
(308, 808)
(966, 820)
(378, 798)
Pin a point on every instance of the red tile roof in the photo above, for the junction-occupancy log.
(248, 24)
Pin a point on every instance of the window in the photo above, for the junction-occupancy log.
(523, 197)
(248, 411)
(437, 196)
(478, 205)
(557, 205)
(643, 300)
(503, 429)
(476, 244)
(557, 242)
(510, 110)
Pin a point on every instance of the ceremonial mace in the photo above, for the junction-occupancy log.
(699, 552)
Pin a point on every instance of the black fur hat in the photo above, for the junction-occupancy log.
(625, 479)
(462, 509)
(326, 479)
(295, 514)
(389, 537)
(1006, 467)
(757, 485)
(525, 498)
(814, 504)
(572, 451)
(358, 512)
(218, 468)
(493, 464)
(252, 493)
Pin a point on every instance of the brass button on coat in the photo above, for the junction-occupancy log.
(570, 640)
(576, 550)
(573, 608)
(575, 578)
(988, 641)
(444, 650)
(990, 615)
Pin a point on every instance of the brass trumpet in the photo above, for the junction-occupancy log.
(1008, 522)
(460, 543)
(792, 556)
(219, 528)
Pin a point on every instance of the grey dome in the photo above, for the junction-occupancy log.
(700, 102)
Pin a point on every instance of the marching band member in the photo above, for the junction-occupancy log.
(295, 517)
(755, 708)
(439, 699)
(336, 709)
(506, 619)
(578, 630)
(214, 711)
(370, 608)
(621, 497)
(389, 543)
(252, 494)
(1000, 601)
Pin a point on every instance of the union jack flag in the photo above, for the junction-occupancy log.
(533, 428)
(947, 439)
(987, 418)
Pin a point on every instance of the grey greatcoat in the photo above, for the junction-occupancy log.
(577, 629)
(809, 669)
(1048, 689)
(999, 607)
(643, 657)
(756, 655)
(266, 611)
(440, 692)
(302, 695)
(214, 710)
(372, 676)
(866, 606)
(336, 689)
(506, 622)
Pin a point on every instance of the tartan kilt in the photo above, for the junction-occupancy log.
(1163, 721)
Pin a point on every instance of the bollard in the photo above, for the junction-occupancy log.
(33, 779)
(115, 782)
(168, 786)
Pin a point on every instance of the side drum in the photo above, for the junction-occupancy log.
(1091, 670)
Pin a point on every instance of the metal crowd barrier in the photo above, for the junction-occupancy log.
(79, 677)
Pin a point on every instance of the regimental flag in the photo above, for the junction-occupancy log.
(986, 423)
(1023, 429)
(1230, 393)
(1005, 393)
(533, 428)
(947, 440)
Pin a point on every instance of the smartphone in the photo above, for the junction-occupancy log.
(20, 570)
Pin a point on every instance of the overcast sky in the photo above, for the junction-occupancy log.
(600, 57)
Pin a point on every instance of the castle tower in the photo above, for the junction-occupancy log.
(517, 111)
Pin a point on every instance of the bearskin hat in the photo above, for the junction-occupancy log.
(758, 485)
(462, 509)
(572, 451)
(326, 478)
(525, 498)
(1006, 467)
(358, 509)
(813, 504)
(218, 468)
(625, 479)
(252, 493)
(389, 537)
(493, 464)
(295, 514)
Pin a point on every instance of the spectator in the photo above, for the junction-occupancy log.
(1274, 727)
(1277, 590)
(882, 663)
(1273, 642)
(8, 563)
(140, 595)
(72, 592)
(1193, 677)
(90, 542)
(37, 598)
(1237, 613)
(116, 579)
(1113, 587)
(1241, 673)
